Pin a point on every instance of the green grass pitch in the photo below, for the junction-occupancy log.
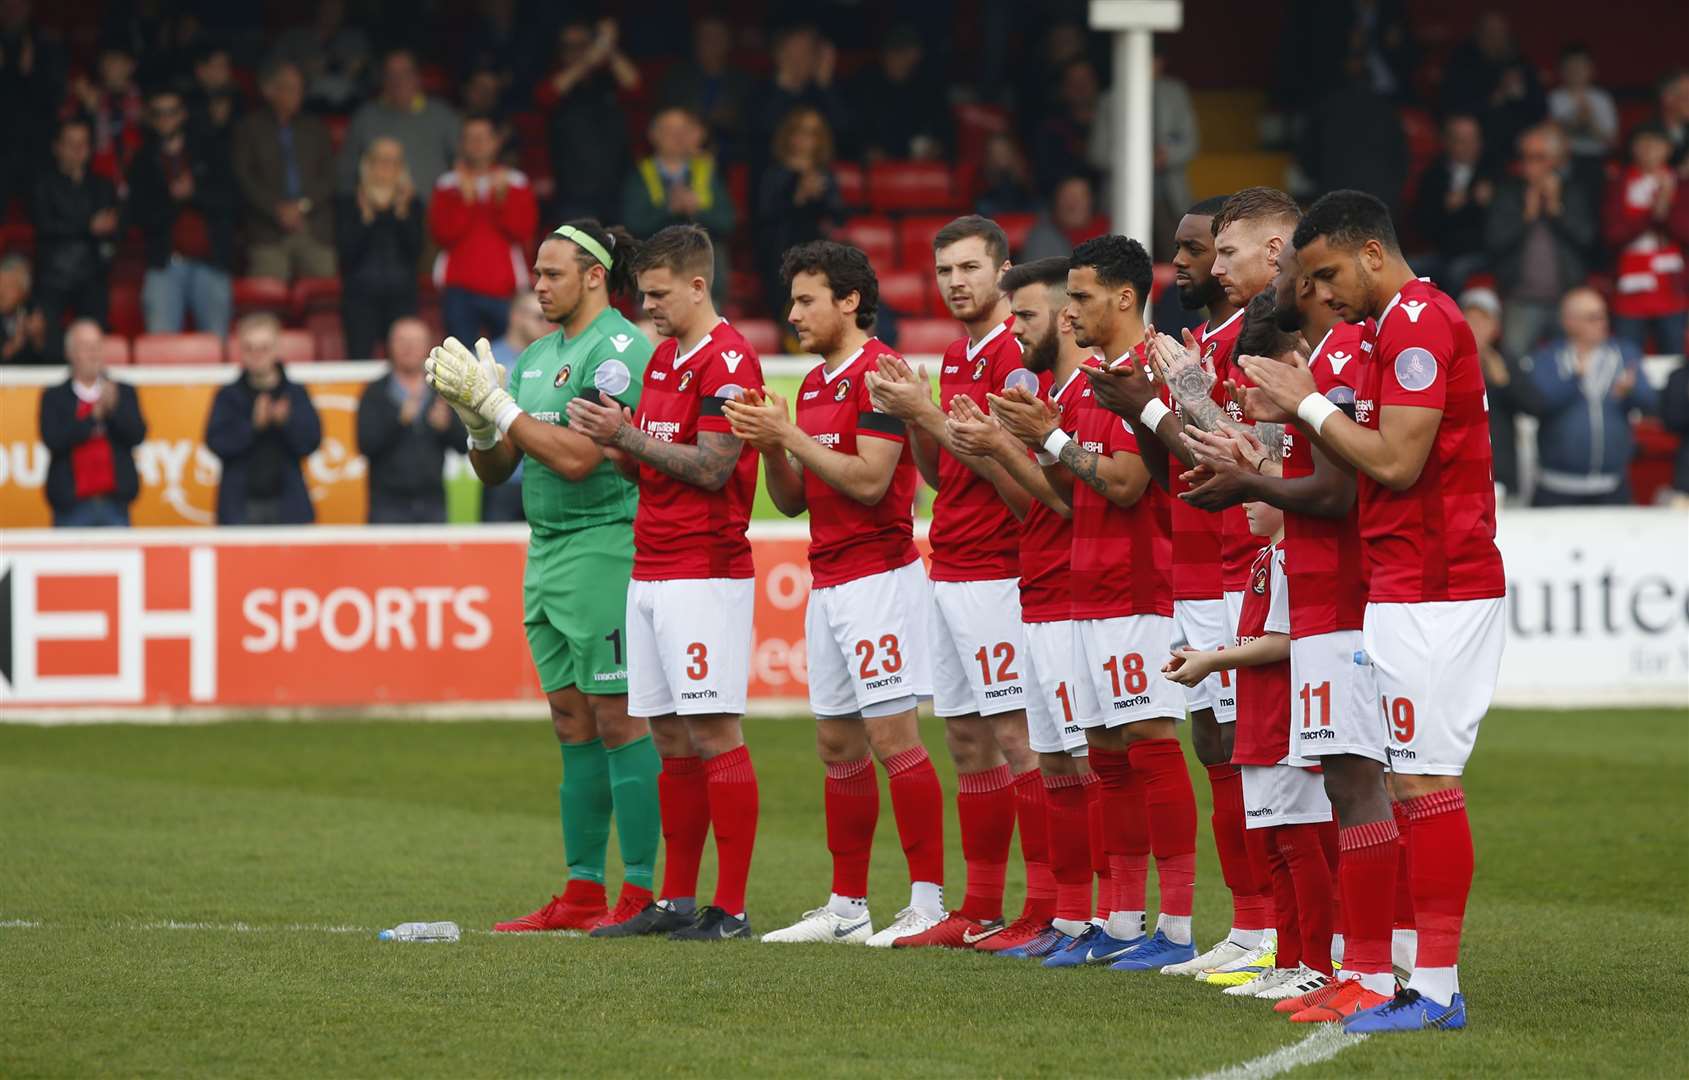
(1575, 965)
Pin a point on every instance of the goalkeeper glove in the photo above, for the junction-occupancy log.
(472, 380)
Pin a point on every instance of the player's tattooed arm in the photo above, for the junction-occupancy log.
(1121, 477)
(1191, 385)
(708, 464)
(1271, 437)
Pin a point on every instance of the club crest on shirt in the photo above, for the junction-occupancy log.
(685, 381)
(842, 390)
(562, 376)
(979, 369)
(1209, 350)
(1416, 369)
(1259, 585)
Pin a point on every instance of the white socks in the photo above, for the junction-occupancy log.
(1124, 925)
(1245, 939)
(1070, 927)
(927, 898)
(1337, 948)
(1438, 984)
(1404, 948)
(1175, 928)
(848, 907)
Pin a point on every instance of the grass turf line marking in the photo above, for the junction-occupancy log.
(1323, 1045)
(248, 928)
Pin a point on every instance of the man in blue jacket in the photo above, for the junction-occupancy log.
(263, 426)
(1582, 388)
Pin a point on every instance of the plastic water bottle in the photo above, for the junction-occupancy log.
(422, 931)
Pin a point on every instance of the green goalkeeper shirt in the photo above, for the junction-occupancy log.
(609, 356)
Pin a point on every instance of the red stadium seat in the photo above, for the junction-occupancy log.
(123, 308)
(914, 241)
(195, 348)
(325, 330)
(852, 188)
(114, 350)
(1016, 227)
(763, 335)
(297, 347)
(314, 294)
(905, 292)
(876, 236)
(1163, 278)
(923, 336)
(259, 294)
(905, 186)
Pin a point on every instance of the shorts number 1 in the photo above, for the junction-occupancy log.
(614, 637)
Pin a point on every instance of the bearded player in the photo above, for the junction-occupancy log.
(1123, 604)
(580, 510)
(693, 591)
(979, 651)
(1433, 629)
(1061, 700)
(849, 465)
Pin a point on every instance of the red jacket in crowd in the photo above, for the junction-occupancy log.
(1649, 280)
(483, 234)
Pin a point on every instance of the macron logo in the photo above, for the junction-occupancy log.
(621, 342)
(732, 360)
(1414, 309)
(1338, 360)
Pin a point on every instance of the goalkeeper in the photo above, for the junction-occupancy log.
(580, 554)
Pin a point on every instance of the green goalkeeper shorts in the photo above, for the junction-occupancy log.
(574, 608)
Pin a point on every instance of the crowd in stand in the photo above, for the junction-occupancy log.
(421, 186)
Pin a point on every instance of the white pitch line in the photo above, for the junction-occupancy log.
(236, 928)
(1324, 1044)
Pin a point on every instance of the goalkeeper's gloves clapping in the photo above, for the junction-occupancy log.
(473, 384)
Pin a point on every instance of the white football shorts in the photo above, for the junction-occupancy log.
(1208, 624)
(1437, 663)
(978, 649)
(689, 645)
(1061, 697)
(867, 641)
(1283, 795)
(1334, 698)
(1123, 658)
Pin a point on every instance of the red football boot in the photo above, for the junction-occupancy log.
(1351, 998)
(1017, 933)
(579, 908)
(951, 932)
(632, 901)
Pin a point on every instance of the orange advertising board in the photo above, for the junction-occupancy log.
(322, 618)
(179, 474)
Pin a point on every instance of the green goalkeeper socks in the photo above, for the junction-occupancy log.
(633, 788)
(584, 799)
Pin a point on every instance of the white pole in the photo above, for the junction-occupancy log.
(1134, 155)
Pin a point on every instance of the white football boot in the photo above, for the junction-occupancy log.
(909, 921)
(1298, 981)
(824, 926)
(1221, 954)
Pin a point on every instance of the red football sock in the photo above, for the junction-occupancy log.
(733, 814)
(683, 800)
(1285, 918)
(918, 803)
(1404, 918)
(1070, 845)
(1125, 829)
(1328, 843)
(1251, 904)
(1032, 818)
(985, 806)
(1368, 878)
(1099, 849)
(1304, 851)
(1442, 873)
(1258, 846)
(853, 809)
(1172, 819)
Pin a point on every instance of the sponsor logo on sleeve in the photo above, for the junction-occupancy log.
(1021, 379)
(1416, 369)
(1413, 309)
(621, 342)
(612, 377)
(732, 358)
(1338, 361)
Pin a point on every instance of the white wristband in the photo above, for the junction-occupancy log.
(1314, 410)
(507, 415)
(487, 443)
(1054, 441)
(1153, 414)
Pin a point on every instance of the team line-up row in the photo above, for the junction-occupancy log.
(1281, 527)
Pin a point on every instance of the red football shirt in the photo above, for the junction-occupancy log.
(973, 530)
(1121, 556)
(1323, 559)
(1237, 545)
(681, 530)
(1263, 691)
(848, 540)
(1197, 558)
(1436, 540)
(1046, 537)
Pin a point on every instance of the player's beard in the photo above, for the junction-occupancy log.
(1041, 357)
(1196, 297)
(1289, 319)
